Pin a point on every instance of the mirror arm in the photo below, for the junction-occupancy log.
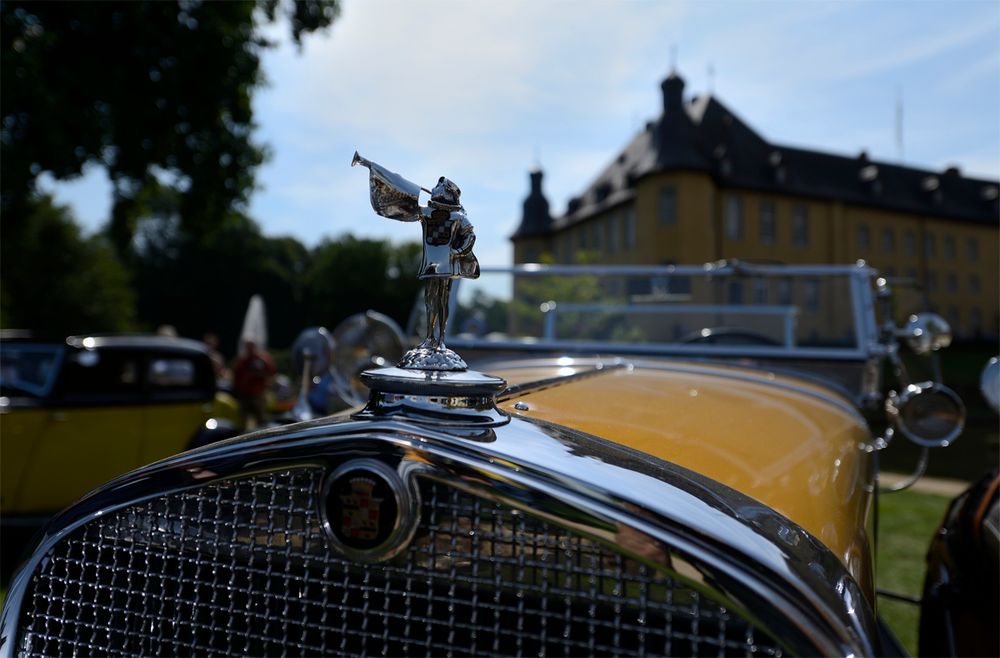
(302, 409)
(918, 472)
(898, 367)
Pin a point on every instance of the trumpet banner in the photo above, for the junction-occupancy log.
(392, 195)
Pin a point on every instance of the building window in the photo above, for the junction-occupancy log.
(668, 205)
(910, 243)
(734, 218)
(760, 291)
(612, 234)
(810, 295)
(951, 282)
(674, 284)
(581, 237)
(948, 247)
(735, 295)
(930, 246)
(974, 283)
(767, 222)
(629, 228)
(888, 240)
(976, 320)
(784, 292)
(911, 274)
(932, 281)
(800, 226)
(595, 234)
(864, 237)
(971, 249)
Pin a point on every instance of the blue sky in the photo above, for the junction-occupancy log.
(479, 92)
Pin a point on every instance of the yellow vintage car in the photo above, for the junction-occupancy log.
(76, 414)
(632, 461)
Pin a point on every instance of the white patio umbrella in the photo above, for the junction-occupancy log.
(254, 324)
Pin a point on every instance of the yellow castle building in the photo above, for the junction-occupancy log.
(698, 184)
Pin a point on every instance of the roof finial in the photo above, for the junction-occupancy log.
(673, 58)
(711, 78)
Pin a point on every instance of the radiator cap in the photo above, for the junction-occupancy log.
(434, 397)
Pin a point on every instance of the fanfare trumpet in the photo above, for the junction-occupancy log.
(392, 195)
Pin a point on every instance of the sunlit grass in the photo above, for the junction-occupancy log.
(908, 520)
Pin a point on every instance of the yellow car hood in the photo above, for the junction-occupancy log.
(799, 448)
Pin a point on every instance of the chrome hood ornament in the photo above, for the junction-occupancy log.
(448, 239)
(431, 371)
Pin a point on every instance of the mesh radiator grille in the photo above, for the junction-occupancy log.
(243, 567)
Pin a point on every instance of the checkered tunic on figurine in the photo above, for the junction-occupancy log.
(448, 242)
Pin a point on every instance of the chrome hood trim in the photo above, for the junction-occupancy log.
(779, 575)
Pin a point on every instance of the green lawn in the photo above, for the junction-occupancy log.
(908, 520)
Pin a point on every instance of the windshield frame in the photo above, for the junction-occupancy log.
(859, 279)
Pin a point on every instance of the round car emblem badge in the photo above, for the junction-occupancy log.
(370, 513)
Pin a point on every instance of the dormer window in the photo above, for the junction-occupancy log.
(864, 237)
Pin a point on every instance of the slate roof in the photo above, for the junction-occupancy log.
(704, 135)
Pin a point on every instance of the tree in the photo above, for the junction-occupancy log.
(158, 92)
(352, 275)
(222, 271)
(60, 281)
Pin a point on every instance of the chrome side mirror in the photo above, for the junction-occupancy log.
(929, 414)
(311, 354)
(926, 333)
(365, 340)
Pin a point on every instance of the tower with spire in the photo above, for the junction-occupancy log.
(531, 239)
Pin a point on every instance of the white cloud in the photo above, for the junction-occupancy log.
(475, 91)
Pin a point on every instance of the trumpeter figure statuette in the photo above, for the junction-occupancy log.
(448, 239)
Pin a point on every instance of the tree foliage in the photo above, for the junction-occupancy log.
(158, 92)
(352, 275)
(300, 287)
(57, 280)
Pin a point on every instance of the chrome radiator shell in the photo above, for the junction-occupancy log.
(658, 518)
